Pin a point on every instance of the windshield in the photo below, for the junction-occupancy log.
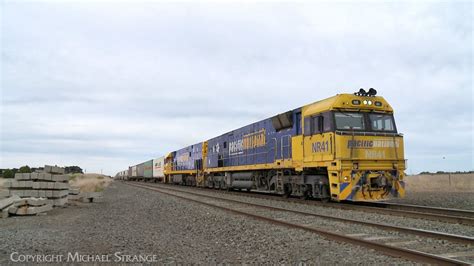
(353, 121)
(382, 122)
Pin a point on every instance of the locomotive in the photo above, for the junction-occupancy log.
(343, 148)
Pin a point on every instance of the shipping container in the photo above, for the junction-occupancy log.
(148, 169)
(134, 171)
(141, 170)
(158, 167)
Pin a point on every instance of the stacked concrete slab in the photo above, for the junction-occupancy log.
(30, 206)
(86, 197)
(51, 184)
(92, 197)
(74, 194)
(4, 193)
(5, 204)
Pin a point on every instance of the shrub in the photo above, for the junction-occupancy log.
(24, 169)
(7, 173)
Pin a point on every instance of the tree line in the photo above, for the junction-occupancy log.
(10, 173)
(443, 172)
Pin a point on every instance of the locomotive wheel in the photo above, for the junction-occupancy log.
(307, 193)
(286, 190)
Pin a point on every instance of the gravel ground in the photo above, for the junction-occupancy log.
(458, 200)
(135, 221)
(457, 229)
(423, 244)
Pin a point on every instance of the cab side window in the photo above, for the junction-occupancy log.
(318, 124)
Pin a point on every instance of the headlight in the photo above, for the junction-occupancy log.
(370, 102)
(365, 101)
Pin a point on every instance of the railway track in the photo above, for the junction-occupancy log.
(457, 216)
(414, 244)
(424, 209)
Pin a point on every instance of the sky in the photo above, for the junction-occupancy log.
(105, 85)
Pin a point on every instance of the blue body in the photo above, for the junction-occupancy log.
(225, 150)
(188, 158)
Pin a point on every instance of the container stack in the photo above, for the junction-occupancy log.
(52, 184)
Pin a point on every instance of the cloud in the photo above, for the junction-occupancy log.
(125, 82)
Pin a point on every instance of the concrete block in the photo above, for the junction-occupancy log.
(26, 176)
(74, 197)
(60, 178)
(34, 193)
(36, 201)
(7, 184)
(19, 203)
(60, 202)
(59, 170)
(11, 184)
(41, 193)
(59, 185)
(25, 184)
(91, 195)
(36, 210)
(49, 193)
(24, 193)
(60, 193)
(74, 191)
(12, 210)
(34, 176)
(4, 213)
(40, 185)
(4, 194)
(20, 210)
(86, 200)
(23, 176)
(54, 169)
(8, 202)
(48, 168)
(44, 176)
(50, 185)
(98, 199)
(16, 192)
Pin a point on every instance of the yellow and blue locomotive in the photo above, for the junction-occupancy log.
(346, 147)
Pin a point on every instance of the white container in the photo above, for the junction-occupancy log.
(158, 167)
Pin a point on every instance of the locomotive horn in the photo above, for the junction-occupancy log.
(372, 92)
(361, 92)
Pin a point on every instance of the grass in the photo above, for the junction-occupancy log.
(90, 182)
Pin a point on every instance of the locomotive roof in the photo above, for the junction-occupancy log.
(346, 102)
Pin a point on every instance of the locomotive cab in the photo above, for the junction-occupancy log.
(354, 140)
